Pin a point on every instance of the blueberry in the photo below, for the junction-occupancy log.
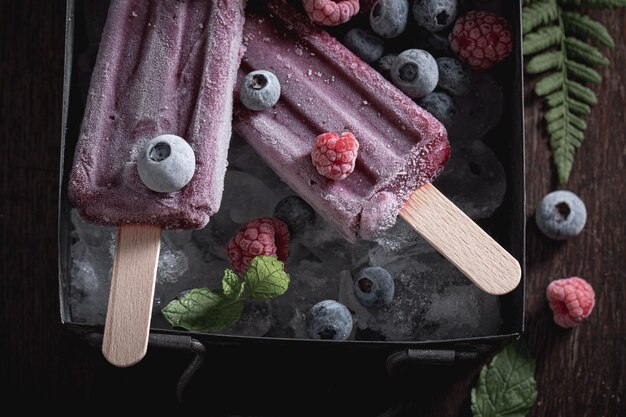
(415, 72)
(259, 90)
(440, 105)
(296, 213)
(383, 65)
(364, 44)
(388, 18)
(561, 215)
(329, 320)
(434, 15)
(454, 77)
(373, 287)
(166, 163)
(474, 180)
(480, 110)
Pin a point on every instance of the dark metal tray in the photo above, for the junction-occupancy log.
(280, 355)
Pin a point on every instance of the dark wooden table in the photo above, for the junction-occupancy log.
(580, 372)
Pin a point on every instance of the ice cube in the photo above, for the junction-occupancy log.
(330, 247)
(255, 320)
(93, 235)
(242, 157)
(347, 298)
(172, 265)
(92, 262)
(396, 240)
(245, 198)
(311, 282)
(432, 301)
(474, 180)
(461, 311)
(477, 112)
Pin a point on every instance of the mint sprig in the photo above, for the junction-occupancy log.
(231, 285)
(506, 386)
(204, 310)
(265, 279)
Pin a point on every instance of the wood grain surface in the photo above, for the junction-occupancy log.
(580, 372)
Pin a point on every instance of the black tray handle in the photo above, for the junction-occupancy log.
(400, 359)
(167, 341)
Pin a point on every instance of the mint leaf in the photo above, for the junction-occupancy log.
(231, 285)
(266, 278)
(203, 310)
(506, 386)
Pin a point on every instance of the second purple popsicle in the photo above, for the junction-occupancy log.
(163, 68)
(325, 88)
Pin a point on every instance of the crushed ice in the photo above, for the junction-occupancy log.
(433, 300)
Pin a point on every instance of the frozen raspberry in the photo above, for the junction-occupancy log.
(571, 300)
(481, 39)
(330, 13)
(334, 155)
(265, 236)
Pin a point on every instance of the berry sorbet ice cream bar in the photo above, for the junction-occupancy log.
(163, 68)
(325, 88)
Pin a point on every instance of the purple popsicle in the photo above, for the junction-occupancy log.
(158, 115)
(164, 67)
(325, 88)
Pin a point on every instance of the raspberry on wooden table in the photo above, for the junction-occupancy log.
(571, 300)
(330, 13)
(260, 237)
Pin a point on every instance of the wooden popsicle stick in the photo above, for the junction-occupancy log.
(127, 326)
(461, 241)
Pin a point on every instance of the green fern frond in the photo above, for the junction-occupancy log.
(544, 38)
(566, 138)
(554, 99)
(584, 26)
(560, 43)
(594, 4)
(549, 84)
(545, 61)
(579, 108)
(582, 93)
(583, 73)
(538, 13)
(584, 52)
